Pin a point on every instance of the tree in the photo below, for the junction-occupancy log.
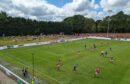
(76, 22)
(120, 23)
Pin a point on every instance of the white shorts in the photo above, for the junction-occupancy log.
(96, 73)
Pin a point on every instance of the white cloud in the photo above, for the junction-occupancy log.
(42, 10)
(115, 5)
(81, 5)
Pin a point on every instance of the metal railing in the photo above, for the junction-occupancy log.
(12, 75)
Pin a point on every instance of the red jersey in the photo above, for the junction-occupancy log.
(98, 70)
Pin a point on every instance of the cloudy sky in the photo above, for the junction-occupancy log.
(57, 10)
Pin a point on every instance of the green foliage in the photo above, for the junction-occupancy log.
(3, 15)
(77, 23)
(119, 23)
(80, 24)
(90, 25)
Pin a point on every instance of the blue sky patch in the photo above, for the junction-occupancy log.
(59, 3)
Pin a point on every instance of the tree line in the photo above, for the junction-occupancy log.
(119, 23)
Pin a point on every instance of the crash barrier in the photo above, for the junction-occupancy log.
(40, 43)
(61, 40)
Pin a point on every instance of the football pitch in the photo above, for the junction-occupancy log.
(47, 56)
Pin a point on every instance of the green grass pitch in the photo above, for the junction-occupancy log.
(47, 56)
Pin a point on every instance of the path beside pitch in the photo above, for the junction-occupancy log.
(5, 79)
